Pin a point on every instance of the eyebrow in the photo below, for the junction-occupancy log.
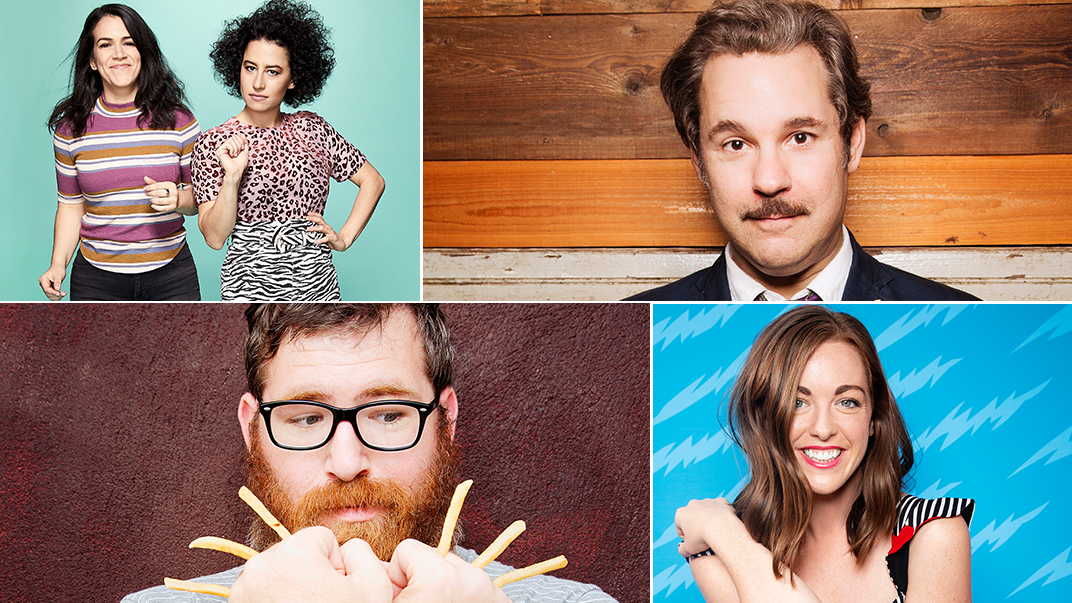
(99, 40)
(280, 67)
(389, 390)
(837, 392)
(796, 123)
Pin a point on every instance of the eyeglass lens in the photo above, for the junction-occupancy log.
(385, 426)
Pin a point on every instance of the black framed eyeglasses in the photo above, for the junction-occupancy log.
(384, 425)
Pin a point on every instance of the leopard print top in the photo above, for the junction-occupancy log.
(288, 170)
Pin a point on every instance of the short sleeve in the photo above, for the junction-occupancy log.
(345, 158)
(189, 131)
(206, 170)
(69, 191)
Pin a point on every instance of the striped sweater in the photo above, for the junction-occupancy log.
(104, 168)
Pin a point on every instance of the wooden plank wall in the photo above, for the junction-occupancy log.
(547, 142)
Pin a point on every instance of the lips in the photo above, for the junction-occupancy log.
(823, 458)
(356, 514)
(257, 97)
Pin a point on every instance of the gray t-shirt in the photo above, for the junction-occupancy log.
(537, 589)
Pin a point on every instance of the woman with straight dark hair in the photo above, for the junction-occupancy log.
(262, 177)
(123, 141)
(824, 516)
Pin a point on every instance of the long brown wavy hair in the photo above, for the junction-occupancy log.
(776, 504)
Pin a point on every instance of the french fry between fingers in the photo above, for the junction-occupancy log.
(450, 523)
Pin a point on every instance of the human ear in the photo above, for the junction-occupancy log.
(856, 144)
(448, 400)
(247, 409)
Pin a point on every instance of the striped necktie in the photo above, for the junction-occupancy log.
(811, 297)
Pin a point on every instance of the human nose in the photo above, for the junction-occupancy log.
(823, 425)
(258, 81)
(347, 456)
(770, 175)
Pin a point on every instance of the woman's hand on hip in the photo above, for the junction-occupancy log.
(332, 238)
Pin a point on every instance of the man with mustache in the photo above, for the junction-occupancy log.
(768, 99)
(349, 422)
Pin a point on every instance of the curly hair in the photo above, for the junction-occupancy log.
(295, 26)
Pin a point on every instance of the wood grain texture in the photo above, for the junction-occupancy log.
(961, 81)
(482, 8)
(461, 8)
(893, 201)
(991, 273)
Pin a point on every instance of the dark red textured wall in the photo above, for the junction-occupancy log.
(120, 442)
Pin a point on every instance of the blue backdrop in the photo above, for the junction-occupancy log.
(983, 389)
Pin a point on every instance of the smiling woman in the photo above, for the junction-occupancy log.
(123, 140)
(829, 453)
(262, 178)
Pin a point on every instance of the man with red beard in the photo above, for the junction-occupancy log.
(349, 422)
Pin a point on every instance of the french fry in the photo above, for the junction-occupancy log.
(451, 520)
(533, 570)
(492, 552)
(223, 545)
(262, 511)
(198, 587)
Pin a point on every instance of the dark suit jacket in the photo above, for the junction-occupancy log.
(869, 280)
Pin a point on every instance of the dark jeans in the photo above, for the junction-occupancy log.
(174, 281)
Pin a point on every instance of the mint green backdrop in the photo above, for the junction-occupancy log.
(372, 99)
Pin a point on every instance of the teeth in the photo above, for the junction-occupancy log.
(822, 456)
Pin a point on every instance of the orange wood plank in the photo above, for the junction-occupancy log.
(893, 202)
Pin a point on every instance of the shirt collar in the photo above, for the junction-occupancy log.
(829, 284)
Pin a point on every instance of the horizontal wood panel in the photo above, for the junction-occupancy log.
(893, 201)
(995, 274)
(967, 81)
(486, 8)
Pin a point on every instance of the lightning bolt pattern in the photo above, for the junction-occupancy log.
(686, 452)
(981, 388)
(671, 578)
(1057, 568)
(1060, 324)
(1058, 448)
(954, 425)
(686, 326)
(1003, 532)
(913, 381)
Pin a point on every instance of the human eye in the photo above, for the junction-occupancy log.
(273, 72)
(736, 145)
(308, 419)
(799, 404)
(849, 403)
(390, 415)
(801, 138)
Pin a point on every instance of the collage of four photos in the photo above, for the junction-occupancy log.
(537, 300)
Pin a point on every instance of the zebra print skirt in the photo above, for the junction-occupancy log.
(276, 261)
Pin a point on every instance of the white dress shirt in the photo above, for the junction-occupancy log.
(829, 284)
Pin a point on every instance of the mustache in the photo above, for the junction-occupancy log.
(776, 207)
(359, 493)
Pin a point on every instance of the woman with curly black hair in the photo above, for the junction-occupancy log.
(123, 140)
(261, 178)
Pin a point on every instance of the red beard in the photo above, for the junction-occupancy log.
(402, 514)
